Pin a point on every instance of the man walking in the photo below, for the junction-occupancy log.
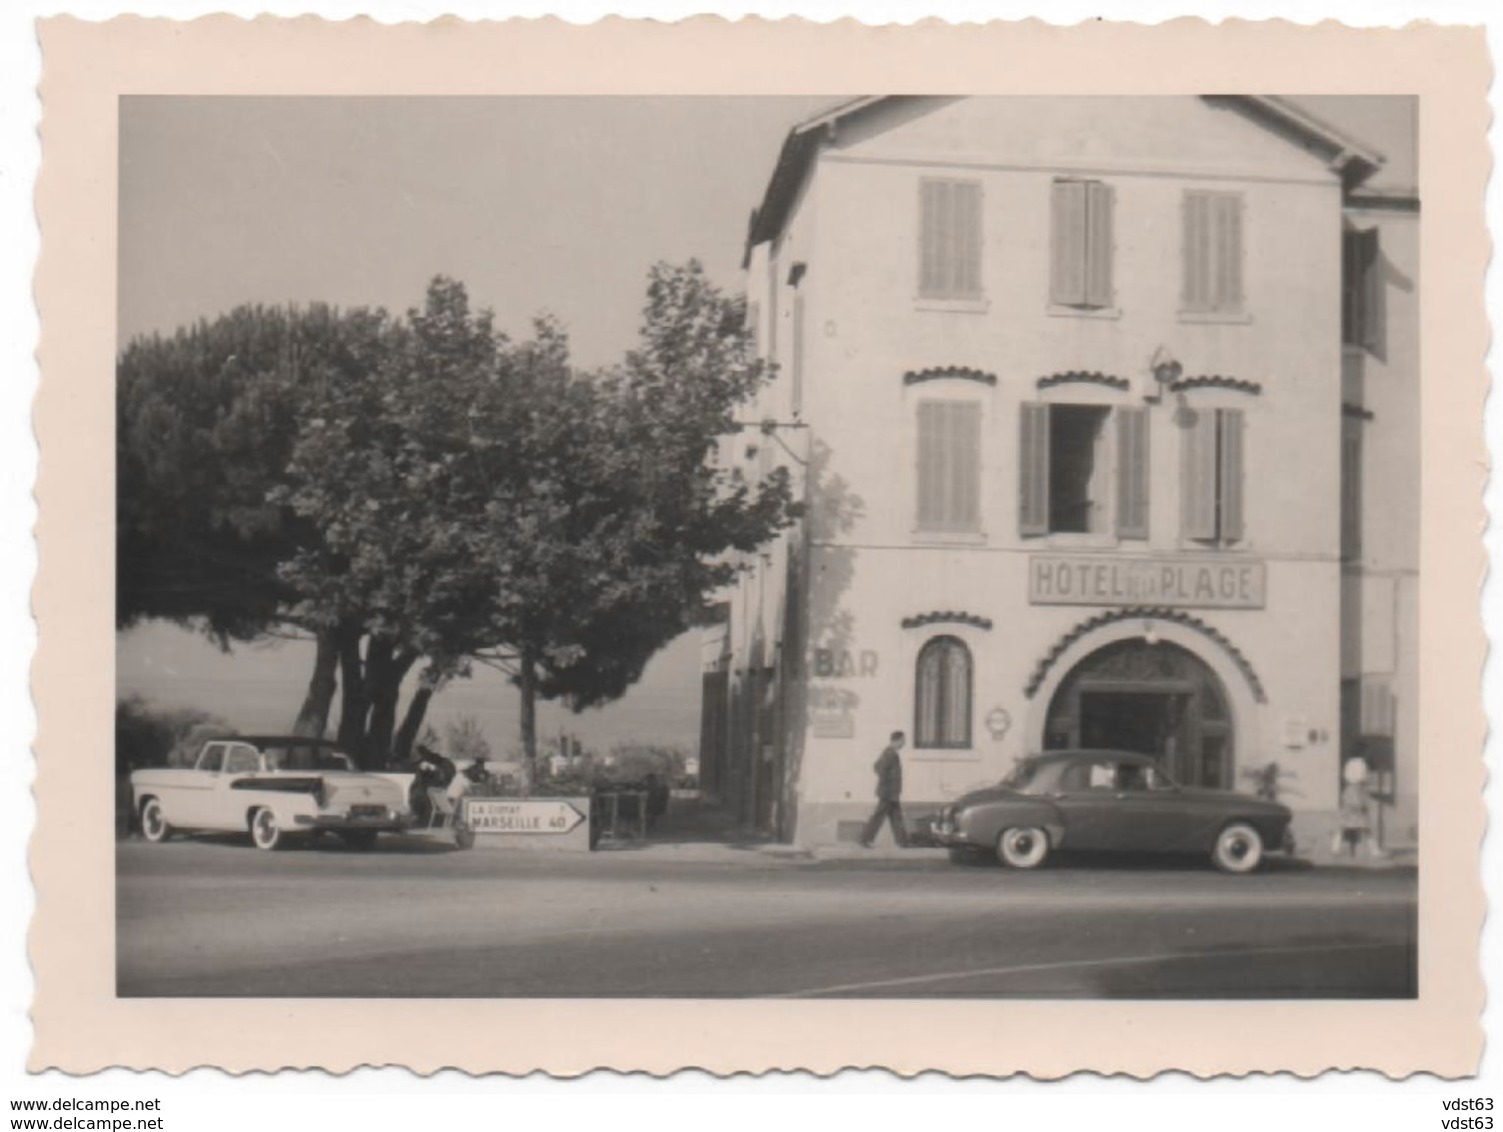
(889, 768)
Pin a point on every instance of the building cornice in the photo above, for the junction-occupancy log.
(948, 617)
(946, 373)
(1216, 381)
(1082, 377)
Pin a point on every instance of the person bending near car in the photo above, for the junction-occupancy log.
(889, 769)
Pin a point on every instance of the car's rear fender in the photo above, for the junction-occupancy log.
(285, 806)
(1271, 828)
(985, 823)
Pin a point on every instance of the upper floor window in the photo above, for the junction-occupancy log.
(942, 695)
(1361, 289)
(1212, 247)
(949, 239)
(949, 466)
(1071, 458)
(1080, 244)
(1212, 482)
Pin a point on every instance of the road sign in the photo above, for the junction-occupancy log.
(515, 815)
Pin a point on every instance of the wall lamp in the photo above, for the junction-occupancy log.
(1166, 371)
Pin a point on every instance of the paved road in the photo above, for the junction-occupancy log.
(214, 917)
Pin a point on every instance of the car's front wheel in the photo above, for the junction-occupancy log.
(154, 825)
(1022, 847)
(1238, 848)
(266, 832)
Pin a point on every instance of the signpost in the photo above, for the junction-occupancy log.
(508, 815)
(528, 823)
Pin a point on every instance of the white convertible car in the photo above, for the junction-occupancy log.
(271, 787)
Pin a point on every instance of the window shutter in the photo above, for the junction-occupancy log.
(965, 466)
(1067, 228)
(1195, 251)
(1227, 255)
(1351, 288)
(1132, 473)
(966, 278)
(949, 466)
(1198, 477)
(949, 239)
(1033, 469)
(1098, 267)
(930, 502)
(1370, 291)
(930, 201)
(1230, 474)
(796, 394)
(1235, 297)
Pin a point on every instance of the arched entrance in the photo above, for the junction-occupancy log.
(1159, 699)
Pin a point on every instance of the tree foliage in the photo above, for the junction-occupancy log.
(146, 735)
(419, 493)
(205, 424)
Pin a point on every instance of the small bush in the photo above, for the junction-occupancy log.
(150, 736)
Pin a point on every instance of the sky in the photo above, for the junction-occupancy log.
(536, 204)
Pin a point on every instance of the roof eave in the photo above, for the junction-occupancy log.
(1347, 157)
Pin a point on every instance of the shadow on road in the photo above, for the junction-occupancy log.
(1131, 862)
(386, 844)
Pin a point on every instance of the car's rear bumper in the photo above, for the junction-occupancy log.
(333, 823)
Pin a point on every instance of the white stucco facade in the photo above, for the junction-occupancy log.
(1099, 606)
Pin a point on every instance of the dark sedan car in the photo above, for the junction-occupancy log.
(1109, 800)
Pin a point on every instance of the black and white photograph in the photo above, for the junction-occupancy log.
(899, 547)
(694, 565)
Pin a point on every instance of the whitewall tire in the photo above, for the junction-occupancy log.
(154, 825)
(1023, 847)
(1238, 849)
(266, 832)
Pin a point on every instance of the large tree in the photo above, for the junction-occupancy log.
(417, 494)
(393, 474)
(481, 499)
(624, 523)
(206, 423)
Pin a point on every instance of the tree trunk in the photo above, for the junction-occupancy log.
(354, 703)
(313, 717)
(384, 675)
(412, 722)
(527, 682)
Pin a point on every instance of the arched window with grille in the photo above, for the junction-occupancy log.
(942, 695)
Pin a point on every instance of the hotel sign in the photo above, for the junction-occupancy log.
(1094, 579)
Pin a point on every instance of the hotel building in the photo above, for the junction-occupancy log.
(1104, 412)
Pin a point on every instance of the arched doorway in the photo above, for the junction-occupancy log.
(1158, 699)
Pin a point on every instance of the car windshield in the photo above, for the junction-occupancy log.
(307, 757)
